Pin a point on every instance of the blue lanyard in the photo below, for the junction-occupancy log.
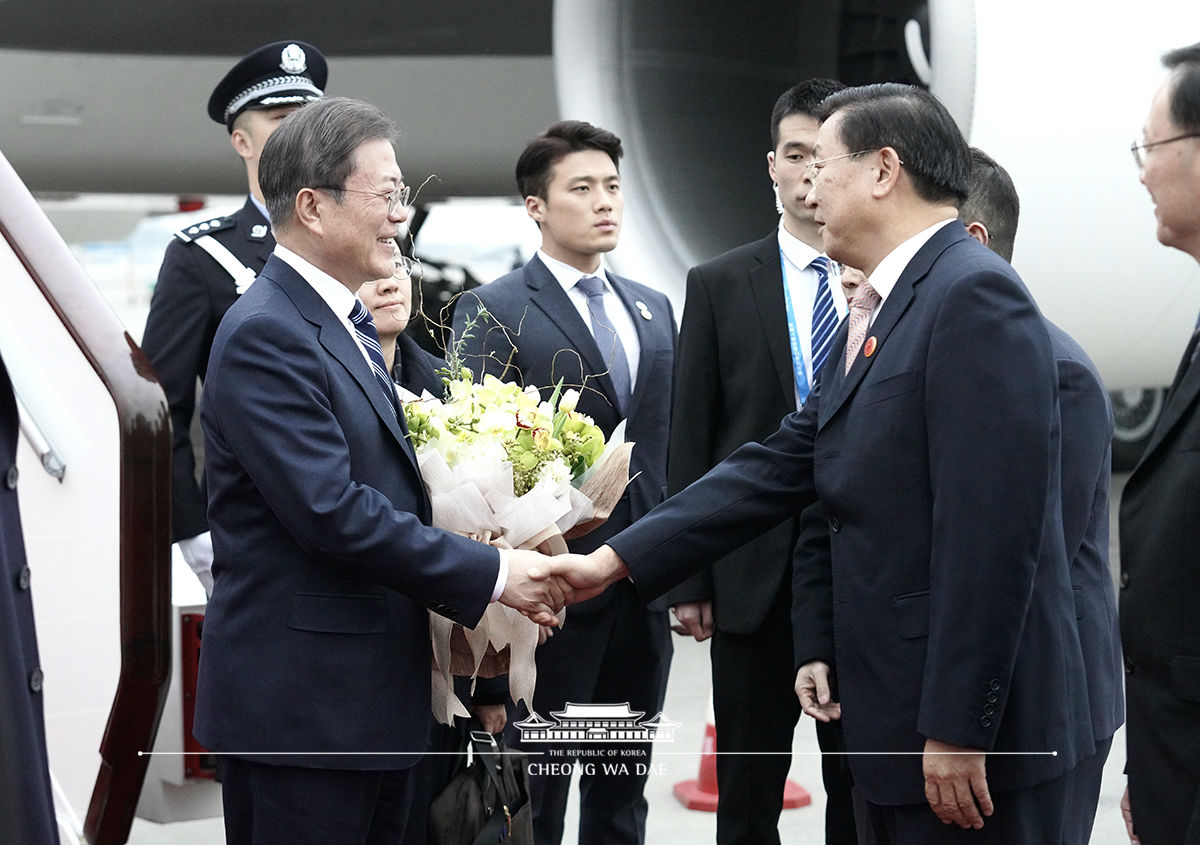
(798, 368)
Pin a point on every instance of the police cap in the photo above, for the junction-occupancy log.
(277, 74)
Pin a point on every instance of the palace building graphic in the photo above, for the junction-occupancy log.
(597, 723)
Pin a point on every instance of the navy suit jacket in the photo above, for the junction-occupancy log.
(1087, 427)
(26, 800)
(535, 336)
(316, 638)
(936, 460)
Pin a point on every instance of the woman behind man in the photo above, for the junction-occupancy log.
(412, 368)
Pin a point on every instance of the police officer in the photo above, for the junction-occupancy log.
(209, 264)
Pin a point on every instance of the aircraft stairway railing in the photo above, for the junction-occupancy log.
(143, 479)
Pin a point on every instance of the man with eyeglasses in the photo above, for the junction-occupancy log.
(314, 683)
(941, 594)
(208, 265)
(1160, 511)
(745, 362)
(567, 316)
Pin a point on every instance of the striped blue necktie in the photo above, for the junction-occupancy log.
(364, 327)
(824, 317)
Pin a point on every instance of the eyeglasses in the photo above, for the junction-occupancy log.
(1139, 149)
(813, 168)
(406, 268)
(398, 197)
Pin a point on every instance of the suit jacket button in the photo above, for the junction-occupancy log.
(35, 680)
(1124, 578)
(992, 698)
(986, 722)
(989, 709)
(835, 525)
(994, 683)
(23, 578)
(10, 478)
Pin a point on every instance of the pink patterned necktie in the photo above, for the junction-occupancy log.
(861, 306)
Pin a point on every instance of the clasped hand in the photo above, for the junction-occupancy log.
(540, 586)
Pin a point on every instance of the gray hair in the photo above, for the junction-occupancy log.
(314, 147)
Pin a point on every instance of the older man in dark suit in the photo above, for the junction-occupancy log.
(1160, 512)
(565, 316)
(933, 444)
(314, 676)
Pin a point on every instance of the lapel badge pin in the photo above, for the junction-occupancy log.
(258, 230)
(643, 310)
(869, 347)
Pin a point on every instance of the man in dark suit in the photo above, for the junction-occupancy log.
(208, 265)
(617, 343)
(1160, 513)
(932, 441)
(990, 214)
(314, 676)
(26, 802)
(740, 370)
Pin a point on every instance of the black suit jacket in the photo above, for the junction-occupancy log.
(536, 337)
(192, 295)
(936, 459)
(733, 384)
(316, 638)
(1160, 618)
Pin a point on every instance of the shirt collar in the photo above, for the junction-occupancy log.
(796, 251)
(336, 295)
(261, 206)
(888, 272)
(567, 276)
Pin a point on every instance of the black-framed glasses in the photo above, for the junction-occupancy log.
(1139, 148)
(400, 196)
(813, 168)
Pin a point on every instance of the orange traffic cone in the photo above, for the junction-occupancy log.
(701, 793)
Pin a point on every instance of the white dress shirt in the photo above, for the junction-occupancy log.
(567, 276)
(888, 272)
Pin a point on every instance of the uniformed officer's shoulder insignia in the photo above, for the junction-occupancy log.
(259, 231)
(207, 227)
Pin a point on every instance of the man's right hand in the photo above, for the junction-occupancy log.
(532, 589)
(695, 618)
(589, 574)
(812, 688)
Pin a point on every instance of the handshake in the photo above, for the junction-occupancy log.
(540, 586)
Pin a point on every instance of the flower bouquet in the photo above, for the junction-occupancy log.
(504, 467)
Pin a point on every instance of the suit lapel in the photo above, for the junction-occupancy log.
(647, 342)
(766, 289)
(335, 338)
(1182, 398)
(549, 297)
(841, 387)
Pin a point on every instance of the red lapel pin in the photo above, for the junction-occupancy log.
(869, 347)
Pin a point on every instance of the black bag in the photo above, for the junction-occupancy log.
(487, 802)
